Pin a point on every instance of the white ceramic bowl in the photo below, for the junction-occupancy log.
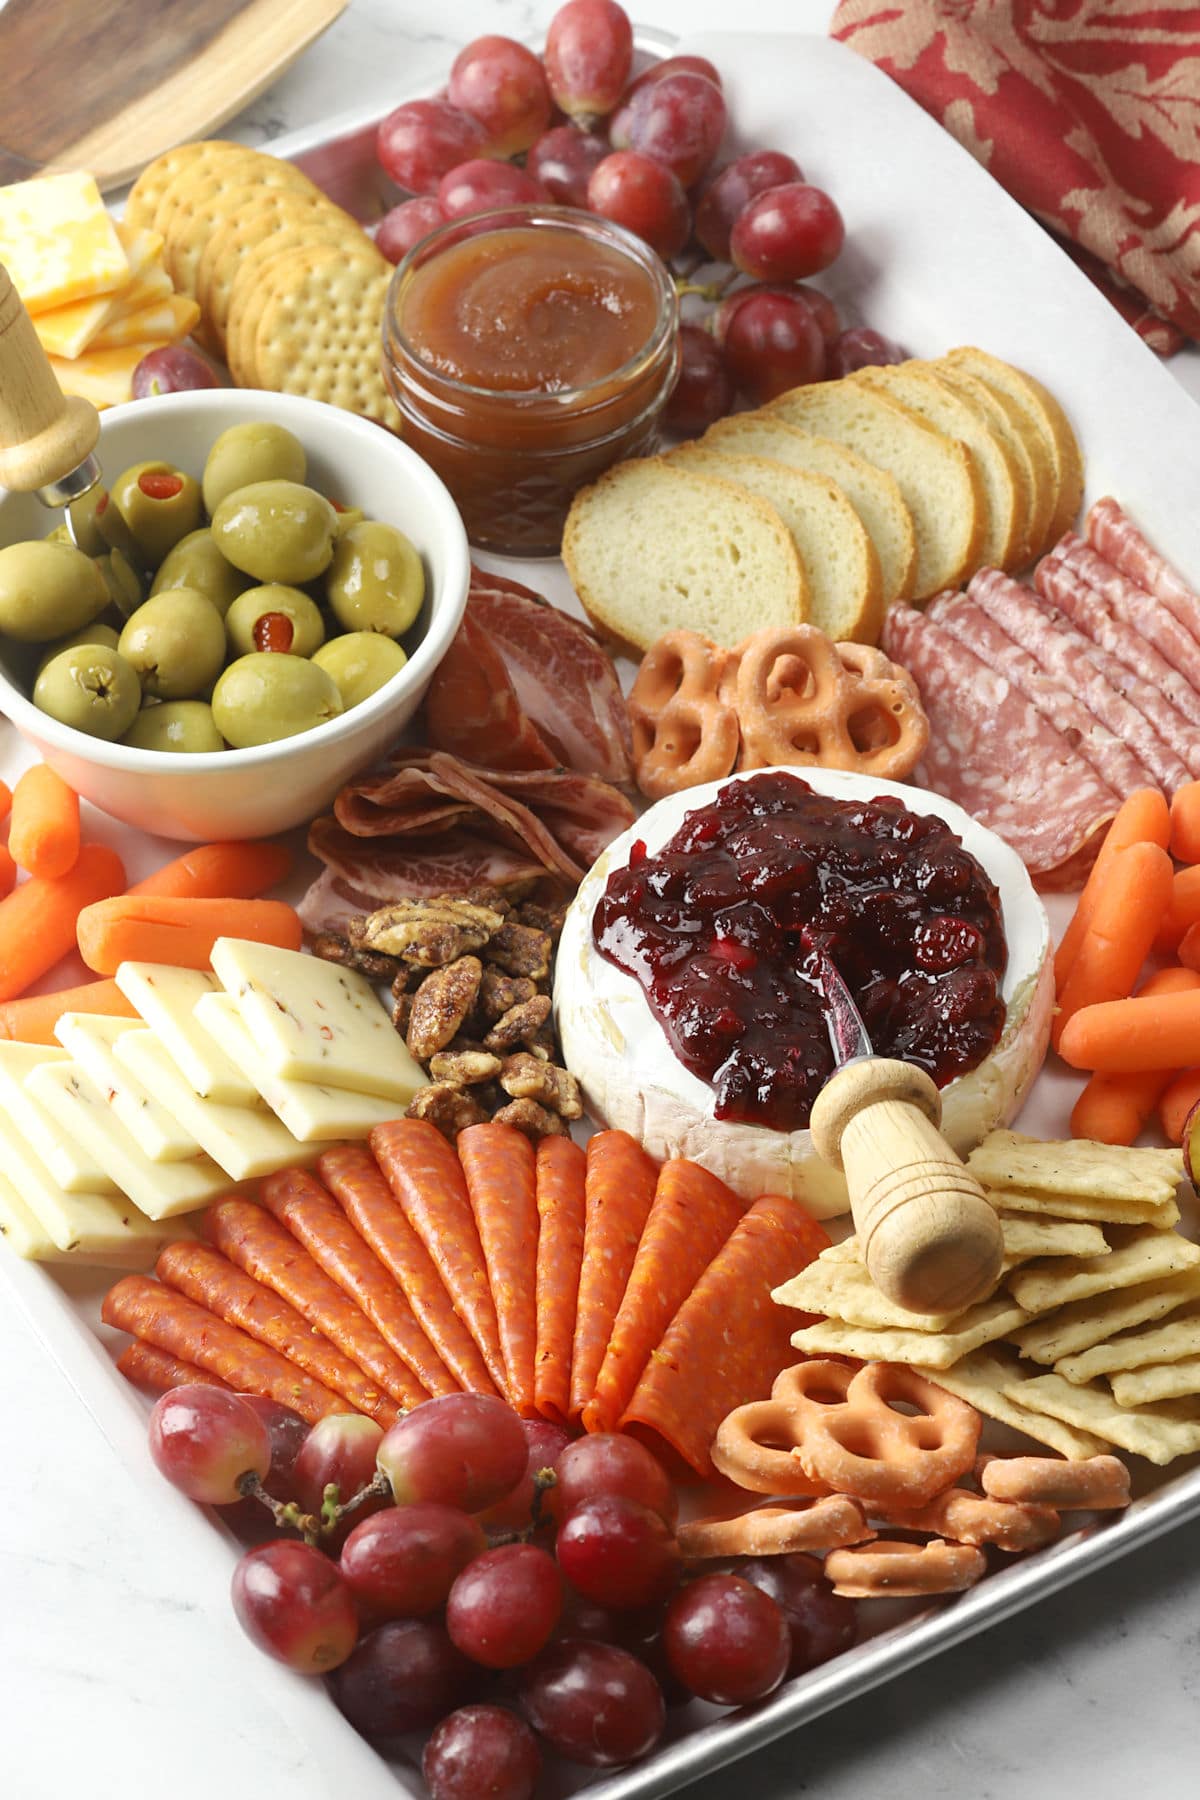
(251, 793)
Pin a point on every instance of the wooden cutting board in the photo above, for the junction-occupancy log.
(106, 85)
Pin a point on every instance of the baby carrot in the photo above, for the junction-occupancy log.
(5, 800)
(1177, 1102)
(149, 928)
(1156, 1031)
(32, 1021)
(44, 833)
(8, 872)
(1113, 1109)
(1189, 948)
(1185, 823)
(1183, 911)
(38, 919)
(236, 871)
(1143, 819)
(1119, 932)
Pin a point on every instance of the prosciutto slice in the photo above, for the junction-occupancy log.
(1113, 534)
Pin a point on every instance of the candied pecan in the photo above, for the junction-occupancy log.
(331, 947)
(544, 1043)
(402, 1011)
(440, 1005)
(483, 895)
(451, 1109)
(521, 950)
(498, 991)
(431, 933)
(532, 1119)
(518, 1023)
(527, 1077)
(547, 916)
(463, 1068)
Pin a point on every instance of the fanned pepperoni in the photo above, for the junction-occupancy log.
(499, 1164)
(729, 1340)
(618, 1194)
(561, 1168)
(157, 1372)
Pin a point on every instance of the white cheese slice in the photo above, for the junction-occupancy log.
(92, 1039)
(632, 1079)
(160, 1190)
(165, 997)
(310, 1112)
(246, 1143)
(101, 1225)
(117, 1238)
(316, 1021)
(67, 1161)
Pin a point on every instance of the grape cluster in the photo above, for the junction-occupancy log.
(489, 1577)
(572, 127)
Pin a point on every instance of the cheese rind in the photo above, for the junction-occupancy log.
(166, 998)
(93, 1039)
(67, 1161)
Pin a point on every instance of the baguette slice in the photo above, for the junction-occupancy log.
(845, 596)
(1047, 419)
(652, 547)
(935, 474)
(1031, 465)
(872, 492)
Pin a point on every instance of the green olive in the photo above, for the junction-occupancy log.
(263, 697)
(360, 663)
(85, 526)
(115, 533)
(91, 688)
(48, 590)
(303, 633)
(276, 531)
(195, 562)
(347, 516)
(90, 634)
(125, 586)
(175, 642)
(249, 453)
(376, 581)
(60, 535)
(181, 725)
(159, 504)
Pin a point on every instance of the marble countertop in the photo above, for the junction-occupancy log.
(120, 1673)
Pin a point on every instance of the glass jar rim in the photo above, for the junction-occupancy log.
(569, 218)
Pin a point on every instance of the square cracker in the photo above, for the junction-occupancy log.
(1163, 1214)
(1159, 1434)
(844, 1290)
(1134, 1349)
(1005, 1159)
(981, 1324)
(1147, 1254)
(1026, 1238)
(1095, 1321)
(984, 1380)
(1158, 1381)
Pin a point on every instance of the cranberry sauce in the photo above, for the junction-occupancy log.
(723, 925)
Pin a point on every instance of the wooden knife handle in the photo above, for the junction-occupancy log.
(43, 436)
(930, 1237)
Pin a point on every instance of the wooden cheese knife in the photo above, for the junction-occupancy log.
(46, 440)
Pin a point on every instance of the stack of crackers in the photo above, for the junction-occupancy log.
(1071, 1349)
(290, 289)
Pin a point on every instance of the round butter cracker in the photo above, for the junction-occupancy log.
(253, 236)
(321, 335)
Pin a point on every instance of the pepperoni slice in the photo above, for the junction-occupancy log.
(157, 1372)
(618, 1194)
(561, 1167)
(500, 1165)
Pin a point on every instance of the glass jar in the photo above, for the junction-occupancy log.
(528, 350)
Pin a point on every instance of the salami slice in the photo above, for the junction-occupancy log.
(213, 1282)
(157, 1372)
(618, 1194)
(260, 1246)
(426, 1177)
(1116, 538)
(994, 753)
(351, 1172)
(692, 1215)
(729, 1340)
(147, 1309)
(1143, 611)
(301, 1203)
(561, 1167)
(500, 1165)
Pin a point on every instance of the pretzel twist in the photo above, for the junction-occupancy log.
(684, 732)
(891, 1568)
(1090, 1485)
(777, 1530)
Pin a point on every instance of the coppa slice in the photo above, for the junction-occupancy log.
(165, 997)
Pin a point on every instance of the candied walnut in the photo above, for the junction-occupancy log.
(463, 1068)
(532, 1119)
(402, 1011)
(521, 950)
(330, 947)
(431, 933)
(544, 1043)
(518, 1023)
(451, 1109)
(543, 917)
(527, 1077)
(440, 1005)
(483, 895)
(498, 992)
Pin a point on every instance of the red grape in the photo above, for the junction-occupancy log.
(482, 1750)
(617, 1551)
(704, 390)
(674, 65)
(204, 1440)
(562, 161)
(407, 224)
(287, 1432)
(786, 233)
(420, 140)
(546, 1444)
(726, 1640)
(610, 1463)
(479, 186)
(730, 192)
(635, 191)
(173, 369)
(292, 1602)
(466, 1450)
(771, 341)
(340, 1448)
(503, 85)
(401, 1677)
(589, 53)
(604, 1625)
(593, 1703)
(821, 1623)
(860, 348)
(822, 309)
(679, 121)
(402, 1562)
(504, 1606)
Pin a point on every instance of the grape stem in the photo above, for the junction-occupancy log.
(312, 1526)
(543, 1481)
(707, 290)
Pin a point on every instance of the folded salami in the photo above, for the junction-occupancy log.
(1114, 535)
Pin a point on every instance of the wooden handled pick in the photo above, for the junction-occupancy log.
(46, 441)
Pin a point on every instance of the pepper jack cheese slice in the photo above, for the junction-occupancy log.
(67, 1161)
(310, 1112)
(58, 241)
(165, 997)
(100, 1224)
(316, 1021)
(92, 1039)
